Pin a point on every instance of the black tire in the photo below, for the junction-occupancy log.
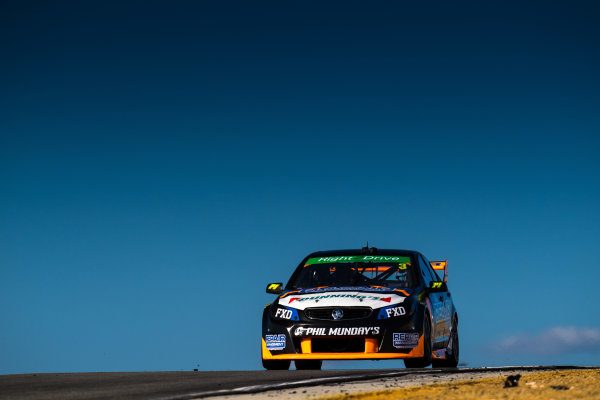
(424, 361)
(276, 364)
(452, 360)
(308, 364)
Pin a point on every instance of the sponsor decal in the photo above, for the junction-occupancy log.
(391, 311)
(347, 288)
(404, 340)
(283, 313)
(287, 313)
(395, 311)
(355, 331)
(275, 342)
(299, 331)
(342, 295)
(348, 259)
(372, 289)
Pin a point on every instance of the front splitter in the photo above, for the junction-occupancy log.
(414, 353)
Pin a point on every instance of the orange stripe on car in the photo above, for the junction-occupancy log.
(404, 292)
(288, 293)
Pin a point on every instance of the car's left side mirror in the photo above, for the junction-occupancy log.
(439, 267)
(275, 288)
(436, 286)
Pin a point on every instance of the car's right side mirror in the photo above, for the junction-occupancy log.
(435, 286)
(275, 288)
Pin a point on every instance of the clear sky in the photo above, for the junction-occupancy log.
(161, 162)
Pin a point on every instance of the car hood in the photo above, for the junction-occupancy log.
(343, 297)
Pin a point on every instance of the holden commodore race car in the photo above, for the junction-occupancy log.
(362, 304)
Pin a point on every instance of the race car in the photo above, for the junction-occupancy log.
(363, 304)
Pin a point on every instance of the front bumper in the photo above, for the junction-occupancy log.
(371, 339)
(371, 353)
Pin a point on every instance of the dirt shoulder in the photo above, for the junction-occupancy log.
(566, 384)
(475, 384)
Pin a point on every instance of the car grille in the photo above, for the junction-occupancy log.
(349, 312)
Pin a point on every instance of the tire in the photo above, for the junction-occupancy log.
(424, 361)
(308, 364)
(276, 364)
(452, 360)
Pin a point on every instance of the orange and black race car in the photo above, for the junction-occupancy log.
(362, 304)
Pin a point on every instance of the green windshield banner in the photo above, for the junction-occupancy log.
(349, 259)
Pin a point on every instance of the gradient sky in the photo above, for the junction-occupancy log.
(161, 162)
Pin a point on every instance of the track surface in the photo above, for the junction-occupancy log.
(189, 385)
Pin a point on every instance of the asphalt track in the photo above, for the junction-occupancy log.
(190, 385)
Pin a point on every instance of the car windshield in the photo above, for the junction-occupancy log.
(349, 271)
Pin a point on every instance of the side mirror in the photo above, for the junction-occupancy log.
(438, 287)
(275, 288)
(440, 266)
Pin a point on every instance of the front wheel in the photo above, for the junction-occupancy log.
(308, 364)
(276, 364)
(424, 361)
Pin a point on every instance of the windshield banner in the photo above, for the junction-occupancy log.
(351, 259)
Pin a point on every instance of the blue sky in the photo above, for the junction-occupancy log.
(160, 163)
